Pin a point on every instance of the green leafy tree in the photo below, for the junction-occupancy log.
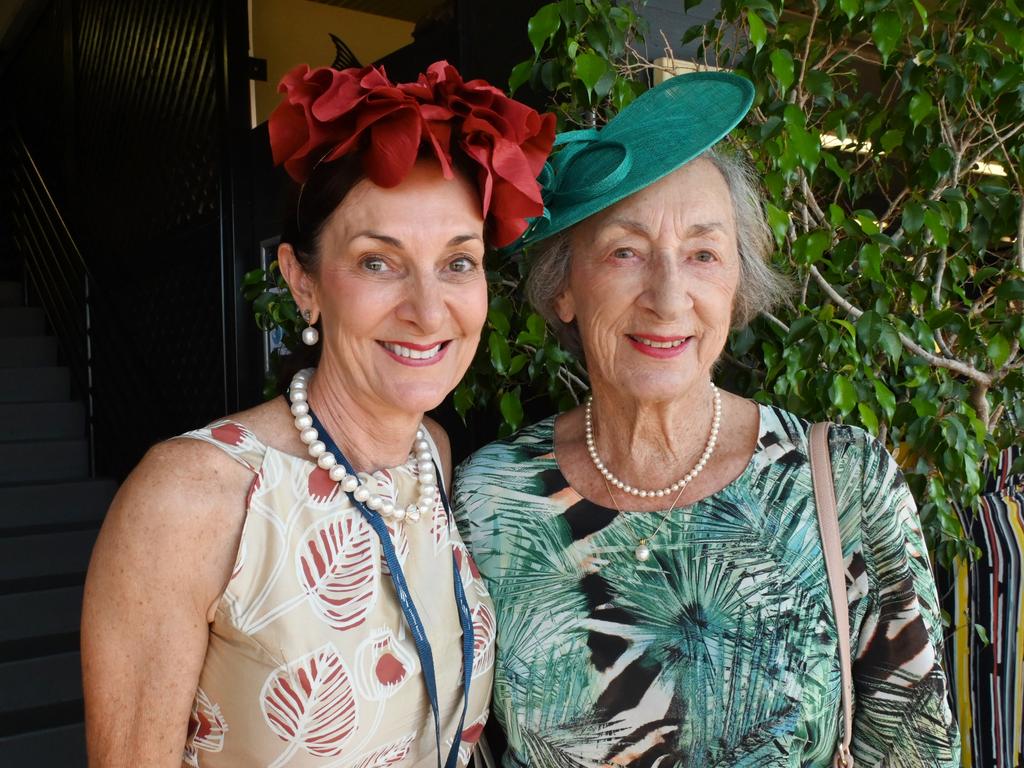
(890, 137)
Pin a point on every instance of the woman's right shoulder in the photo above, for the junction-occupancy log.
(519, 448)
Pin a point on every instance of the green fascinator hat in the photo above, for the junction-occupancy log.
(661, 131)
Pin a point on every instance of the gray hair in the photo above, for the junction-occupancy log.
(760, 287)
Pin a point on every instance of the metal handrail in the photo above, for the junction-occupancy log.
(60, 280)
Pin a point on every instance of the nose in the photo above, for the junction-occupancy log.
(424, 304)
(668, 290)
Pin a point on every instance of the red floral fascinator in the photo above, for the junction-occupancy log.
(327, 113)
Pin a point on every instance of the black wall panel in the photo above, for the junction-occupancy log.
(148, 152)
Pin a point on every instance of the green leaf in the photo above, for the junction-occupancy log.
(891, 139)
(520, 74)
(850, 7)
(782, 67)
(501, 355)
(982, 634)
(868, 418)
(819, 84)
(922, 13)
(998, 350)
(870, 259)
(940, 233)
(543, 25)
(844, 395)
(886, 30)
(590, 68)
(885, 398)
(1011, 290)
(463, 400)
(921, 105)
(758, 32)
(499, 321)
(913, 217)
(511, 408)
(778, 220)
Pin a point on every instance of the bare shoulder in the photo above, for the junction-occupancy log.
(178, 519)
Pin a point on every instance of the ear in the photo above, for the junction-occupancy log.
(565, 306)
(300, 283)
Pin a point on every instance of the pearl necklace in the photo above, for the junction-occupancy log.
(678, 485)
(420, 458)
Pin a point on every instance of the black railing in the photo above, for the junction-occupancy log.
(57, 278)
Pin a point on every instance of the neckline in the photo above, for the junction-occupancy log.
(748, 469)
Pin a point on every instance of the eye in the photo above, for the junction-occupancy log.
(705, 257)
(621, 254)
(462, 264)
(374, 264)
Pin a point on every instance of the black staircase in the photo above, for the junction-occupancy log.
(50, 512)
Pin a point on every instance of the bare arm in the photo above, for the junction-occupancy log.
(160, 564)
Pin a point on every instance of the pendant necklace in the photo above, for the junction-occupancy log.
(642, 552)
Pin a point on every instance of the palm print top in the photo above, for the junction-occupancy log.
(721, 649)
(310, 663)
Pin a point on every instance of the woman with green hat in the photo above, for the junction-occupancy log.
(661, 579)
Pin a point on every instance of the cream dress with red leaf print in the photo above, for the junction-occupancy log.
(310, 661)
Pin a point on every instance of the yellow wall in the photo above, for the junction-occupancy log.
(290, 32)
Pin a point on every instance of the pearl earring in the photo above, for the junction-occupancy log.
(310, 335)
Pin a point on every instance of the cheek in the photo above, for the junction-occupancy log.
(471, 307)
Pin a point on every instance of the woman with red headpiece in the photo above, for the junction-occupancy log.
(286, 586)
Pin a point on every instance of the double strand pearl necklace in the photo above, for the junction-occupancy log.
(421, 458)
(678, 485)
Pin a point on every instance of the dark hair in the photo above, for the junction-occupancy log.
(311, 205)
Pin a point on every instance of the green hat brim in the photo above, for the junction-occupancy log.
(662, 130)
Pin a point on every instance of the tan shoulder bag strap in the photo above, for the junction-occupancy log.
(828, 524)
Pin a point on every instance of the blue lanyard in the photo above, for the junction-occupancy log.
(412, 616)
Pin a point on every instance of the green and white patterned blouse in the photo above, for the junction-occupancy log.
(721, 649)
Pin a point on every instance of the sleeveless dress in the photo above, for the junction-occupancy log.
(310, 662)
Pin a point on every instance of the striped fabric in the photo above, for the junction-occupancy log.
(988, 680)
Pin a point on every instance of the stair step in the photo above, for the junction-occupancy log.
(56, 554)
(22, 321)
(33, 461)
(70, 503)
(26, 385)
(42, 682)
(63, 746)
(32, 615)
(11, 294)
(28, 351)
(41, 421)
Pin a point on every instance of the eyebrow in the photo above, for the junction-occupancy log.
(395, 242)
(695, 230)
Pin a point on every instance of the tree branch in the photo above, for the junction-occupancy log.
(957, 366)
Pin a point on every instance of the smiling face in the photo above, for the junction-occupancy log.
(652, 283)
(400, 289)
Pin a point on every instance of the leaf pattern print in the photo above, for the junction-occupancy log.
(383, 666)
(720, 651)
(392, 754)
(483, 639)
(206, 729)
(310, 704)
(338, 567)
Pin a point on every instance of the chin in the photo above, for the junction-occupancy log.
(415, 397)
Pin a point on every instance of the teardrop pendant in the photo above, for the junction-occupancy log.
(642, 552)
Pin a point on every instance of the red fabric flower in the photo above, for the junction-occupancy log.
(327, 113)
